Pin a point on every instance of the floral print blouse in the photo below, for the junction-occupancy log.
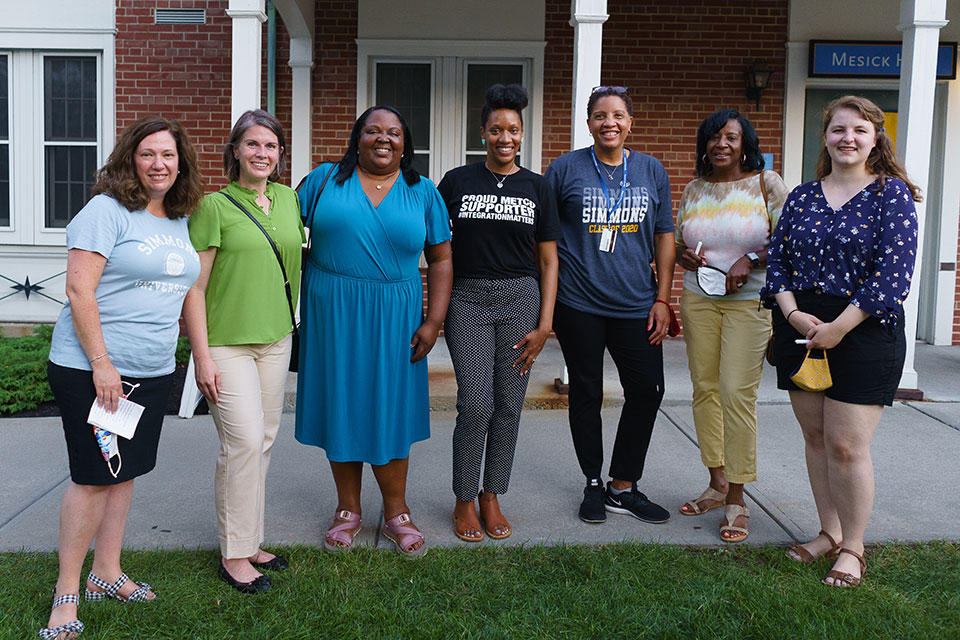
(864, 251)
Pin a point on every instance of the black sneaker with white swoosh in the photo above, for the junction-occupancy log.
(636, 504)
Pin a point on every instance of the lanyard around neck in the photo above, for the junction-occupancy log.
(603, 183)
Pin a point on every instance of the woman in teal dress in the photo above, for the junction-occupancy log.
(362, 390)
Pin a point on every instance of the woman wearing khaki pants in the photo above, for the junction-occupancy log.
(238, 318)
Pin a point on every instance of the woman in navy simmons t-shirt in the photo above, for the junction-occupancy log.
(505, 229)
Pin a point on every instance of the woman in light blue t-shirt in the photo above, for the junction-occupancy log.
(129, 266)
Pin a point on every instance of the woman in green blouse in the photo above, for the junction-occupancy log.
(239, 324)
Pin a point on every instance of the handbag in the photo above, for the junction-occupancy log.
(813, 374)
(295, 349)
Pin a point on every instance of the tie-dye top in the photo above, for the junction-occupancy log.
(731, 219)
(864, 251)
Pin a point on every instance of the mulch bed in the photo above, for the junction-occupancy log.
(49, 409)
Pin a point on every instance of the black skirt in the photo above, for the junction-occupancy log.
(74, 392)
(865, 366)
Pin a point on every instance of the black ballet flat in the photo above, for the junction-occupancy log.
(276, 563)
(261, 583)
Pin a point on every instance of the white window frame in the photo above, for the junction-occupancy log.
(468, 127)
(26, 48)
(449, 104)
(42, 233)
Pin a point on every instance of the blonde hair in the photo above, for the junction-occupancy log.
(881, 162)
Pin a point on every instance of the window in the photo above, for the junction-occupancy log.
(4, 141)
(408, 87)
(69, 134)
(52, 120)
(440, 85)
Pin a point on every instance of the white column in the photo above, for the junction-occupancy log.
(920, 22)
(247, 53)
(301, 125)
(587, 18)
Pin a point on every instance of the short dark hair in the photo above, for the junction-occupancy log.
(501, 96)
(609, 91)
(752, 159)
(253, 117)
(118, 177)
(349, 160)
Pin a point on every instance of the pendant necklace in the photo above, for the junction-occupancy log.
(379, 185)
(499, 180)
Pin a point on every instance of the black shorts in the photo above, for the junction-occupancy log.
(74, 392)
(865, 365)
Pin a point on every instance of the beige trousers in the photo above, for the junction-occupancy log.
(252, 378)
(726, 342)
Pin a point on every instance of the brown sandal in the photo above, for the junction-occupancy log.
(850, 579)
(806, 557)
(492, 527)
(466, 532)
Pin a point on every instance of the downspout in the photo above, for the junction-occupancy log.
(271, 57)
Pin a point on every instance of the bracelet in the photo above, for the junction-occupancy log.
(791, 313)
(95, 358)
(662, 301)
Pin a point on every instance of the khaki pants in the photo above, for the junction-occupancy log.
(252, 378)
(726, 341)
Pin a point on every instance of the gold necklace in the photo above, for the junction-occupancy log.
(378, 185)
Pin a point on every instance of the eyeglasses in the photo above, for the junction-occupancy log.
(615, 88)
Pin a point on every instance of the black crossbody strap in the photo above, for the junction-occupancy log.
(317, 200)
(276, 252)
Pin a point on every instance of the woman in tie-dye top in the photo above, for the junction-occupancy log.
(841, 261)
(724, 221)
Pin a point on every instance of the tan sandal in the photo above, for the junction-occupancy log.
(848, 578)
(496, 530)
(710, 494)
(730, 513)
(806, 557)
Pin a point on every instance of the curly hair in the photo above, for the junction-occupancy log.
(500, 96)
(881, 161)
(752, 159)
(603, 92)
(118, 177)
(349, 160)
(251, 118)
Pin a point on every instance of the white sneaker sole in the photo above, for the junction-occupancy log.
(627, 512)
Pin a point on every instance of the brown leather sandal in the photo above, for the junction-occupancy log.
(496, 530)
(850, 579)
(466, 532)
(806, 557)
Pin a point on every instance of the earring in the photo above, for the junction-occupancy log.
(704, 159)
(483, 141)
(743, 159)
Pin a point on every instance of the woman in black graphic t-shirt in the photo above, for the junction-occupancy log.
(505, 228)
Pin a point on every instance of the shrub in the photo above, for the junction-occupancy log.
(23, 370)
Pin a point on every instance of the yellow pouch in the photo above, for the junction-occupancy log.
(813, 374)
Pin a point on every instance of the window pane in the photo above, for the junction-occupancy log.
(4, 185)
(69, 176)
(407, 87)
(70, 98)
(479, 79)
(4, 100)
(421, 162)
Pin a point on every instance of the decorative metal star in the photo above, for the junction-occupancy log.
(27, 288)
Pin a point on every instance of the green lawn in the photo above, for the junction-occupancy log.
(610, 591)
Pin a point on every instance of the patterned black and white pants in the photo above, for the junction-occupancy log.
(485, 319)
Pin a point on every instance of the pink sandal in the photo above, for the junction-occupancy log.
(345, 527)
(404, 535)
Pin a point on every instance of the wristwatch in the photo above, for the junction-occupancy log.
(754, 260)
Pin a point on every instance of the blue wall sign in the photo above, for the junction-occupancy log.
(856, 59)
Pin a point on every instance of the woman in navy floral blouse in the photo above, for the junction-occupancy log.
(839, 267)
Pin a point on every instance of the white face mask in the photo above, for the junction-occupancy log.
(712, 281)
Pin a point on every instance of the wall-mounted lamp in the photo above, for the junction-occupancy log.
(757, 78)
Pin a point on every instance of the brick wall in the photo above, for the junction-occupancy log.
(681, 62)
(334, 78)
(177, 71)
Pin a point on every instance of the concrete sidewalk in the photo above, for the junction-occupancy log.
(915, 453)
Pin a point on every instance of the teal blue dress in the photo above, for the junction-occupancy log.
(358, 395)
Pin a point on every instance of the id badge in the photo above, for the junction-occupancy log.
(608, 239)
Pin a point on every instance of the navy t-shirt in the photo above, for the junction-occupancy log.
(495, 230)
(618, 284)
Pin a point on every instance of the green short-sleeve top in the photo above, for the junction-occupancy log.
(246, 300)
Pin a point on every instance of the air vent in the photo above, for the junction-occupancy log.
(180, 16)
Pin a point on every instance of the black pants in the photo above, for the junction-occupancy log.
(583, 337)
